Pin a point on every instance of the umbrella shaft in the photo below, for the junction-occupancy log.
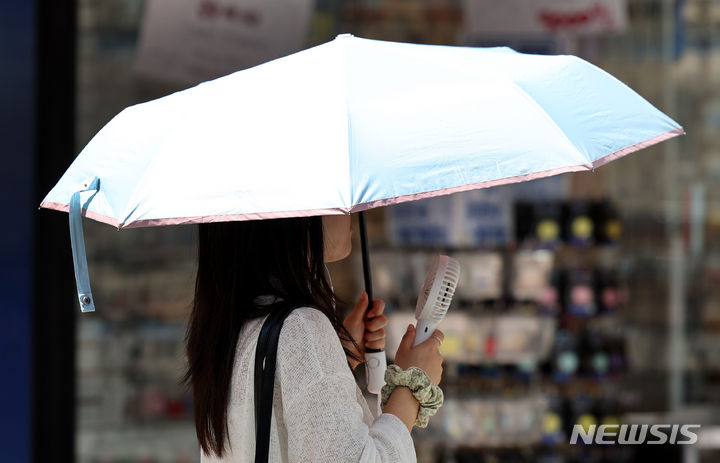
(366, 264)
(365, 257)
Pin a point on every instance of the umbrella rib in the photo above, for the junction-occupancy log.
(348, 138)
(126, 214)
(542, 111)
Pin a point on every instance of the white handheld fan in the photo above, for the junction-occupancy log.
(435, 296)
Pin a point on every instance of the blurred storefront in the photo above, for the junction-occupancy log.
(588, 298)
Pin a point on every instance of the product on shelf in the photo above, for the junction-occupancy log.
(531, 276)
(608, 228)
(546, 224)
(482, 276)
(580, 295)
(578, 225)
(522, 338)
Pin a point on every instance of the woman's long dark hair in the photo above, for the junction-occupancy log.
(238, 261)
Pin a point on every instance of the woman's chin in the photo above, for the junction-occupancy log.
(338, 256)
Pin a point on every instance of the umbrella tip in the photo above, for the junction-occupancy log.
(344, 36)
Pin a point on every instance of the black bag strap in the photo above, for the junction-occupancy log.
(265, 360)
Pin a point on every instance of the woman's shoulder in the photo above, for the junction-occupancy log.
(309, 322)
(308, 337)
(309, 352)
(309, 317)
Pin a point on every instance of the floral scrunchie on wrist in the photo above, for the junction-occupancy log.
(429, 396)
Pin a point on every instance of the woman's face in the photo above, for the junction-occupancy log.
(337, 231)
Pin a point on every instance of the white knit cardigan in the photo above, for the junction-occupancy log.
(319, 413)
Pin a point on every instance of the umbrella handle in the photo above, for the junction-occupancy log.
(77, 241)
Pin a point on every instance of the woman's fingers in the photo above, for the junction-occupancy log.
(378, 309)
(375, 340)
(379, 345)
(407, 339)
(438, 334)
(376, 323)
(358, 312)
(371, 336)
(434, 341)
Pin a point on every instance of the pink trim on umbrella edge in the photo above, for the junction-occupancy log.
(85, 213)
(638, 146)
(234, 217)
(520, 178)
(199, 219)
(371, 204)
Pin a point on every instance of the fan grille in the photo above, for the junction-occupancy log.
(440, 304)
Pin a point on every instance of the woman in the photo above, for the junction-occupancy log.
(245, 271)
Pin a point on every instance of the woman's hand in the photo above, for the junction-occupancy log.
(425, 355)
(367, 329)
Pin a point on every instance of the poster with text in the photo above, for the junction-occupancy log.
(538, 17)
(191, 41)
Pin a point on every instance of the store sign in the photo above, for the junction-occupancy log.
(198, 40)
(521, 17)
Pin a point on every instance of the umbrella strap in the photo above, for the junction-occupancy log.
(82, 279)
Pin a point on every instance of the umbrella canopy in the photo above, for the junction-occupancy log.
(353, 124)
